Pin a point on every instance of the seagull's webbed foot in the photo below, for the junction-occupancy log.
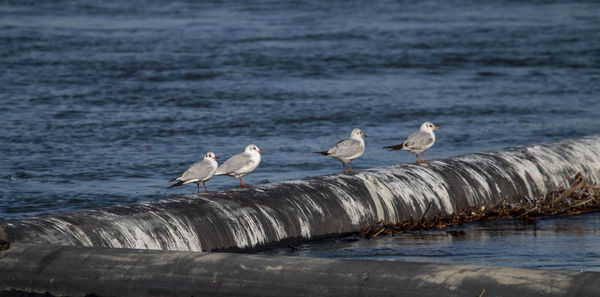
(242, 183)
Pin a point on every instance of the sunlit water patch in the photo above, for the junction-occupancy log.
(561, 243)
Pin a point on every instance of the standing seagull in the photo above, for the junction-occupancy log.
(241, 164)
(418, 142)
(347, 149)
(198, 173)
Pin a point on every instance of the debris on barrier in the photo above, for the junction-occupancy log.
(579, 198)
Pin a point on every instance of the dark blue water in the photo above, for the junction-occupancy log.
(104, 102)
(560, 243)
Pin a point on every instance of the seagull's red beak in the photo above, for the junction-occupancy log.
(216, 157)
(261, 151)
(436, 128)
(363, 135)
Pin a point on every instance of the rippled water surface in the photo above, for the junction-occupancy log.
(103, 102)
(561, 243)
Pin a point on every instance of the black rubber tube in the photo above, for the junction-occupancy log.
(320, 206)
(73, 271)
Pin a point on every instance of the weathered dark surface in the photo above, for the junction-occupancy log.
(320, 206)
(77, 271)
(4, 243)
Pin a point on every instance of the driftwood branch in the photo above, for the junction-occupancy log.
(579, 198)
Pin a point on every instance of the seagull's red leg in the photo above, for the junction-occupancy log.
(205, 189)
(344, 167)
(418, 159)
(422, 157)
(242, 183)
(198, 188)
(351, 167)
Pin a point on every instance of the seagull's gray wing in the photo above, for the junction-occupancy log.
(234, 163)
(198, 171)
(345, 148)
(418, 140)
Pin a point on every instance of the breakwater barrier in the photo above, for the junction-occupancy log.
(37, 270)
(318, 207)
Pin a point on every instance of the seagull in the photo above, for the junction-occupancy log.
(347, 149)
(198, 173)
(418, 142)
(241, 164)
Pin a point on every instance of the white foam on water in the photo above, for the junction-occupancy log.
(383, 199)
(417, 193)
(268, 213)
(356, 210)
(304, 228)
(64, 231)
(182, 235)
(434, 189)
(478, 194)
(249, 223)
(303, 218)
(245, 227)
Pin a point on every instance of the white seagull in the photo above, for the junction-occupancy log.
(241, 164)
(347, 149)
(418, 142)
(198, 173)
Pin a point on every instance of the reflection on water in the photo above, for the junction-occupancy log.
(562, 243)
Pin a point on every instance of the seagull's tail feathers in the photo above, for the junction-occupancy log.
(394, 147)
(179, 183)
(325, 153)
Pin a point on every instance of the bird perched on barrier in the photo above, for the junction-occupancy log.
(241, 164)
(198, 173)
(418, 142)
(347, 149)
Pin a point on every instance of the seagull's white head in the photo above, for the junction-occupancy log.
(427, 126)
(210, 155)
(357, 133)
(253, 148)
